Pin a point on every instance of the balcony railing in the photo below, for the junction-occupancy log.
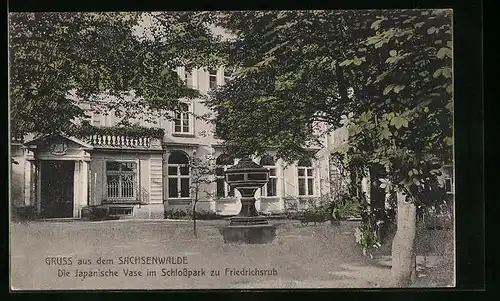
(123, 141)
(17, 139)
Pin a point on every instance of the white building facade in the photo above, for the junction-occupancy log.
(142, 177)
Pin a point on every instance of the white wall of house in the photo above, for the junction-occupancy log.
(152, 166)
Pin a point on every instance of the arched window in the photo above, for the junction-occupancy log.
(178, 175)
(270, 189)
(223, 162)
(305, 175)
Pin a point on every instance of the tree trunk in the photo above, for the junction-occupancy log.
(194, 216)
(403, 269)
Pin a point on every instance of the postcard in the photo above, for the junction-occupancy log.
(231, 149)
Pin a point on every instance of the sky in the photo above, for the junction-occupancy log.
(142, 30)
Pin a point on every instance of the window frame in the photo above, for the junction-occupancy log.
(188, 76)
(227, 187)
(306, 179)
(178, 176)
(190, 120)
(212, 76)
(227, 77)
(263, 190)
(448, 188)
(135, 180)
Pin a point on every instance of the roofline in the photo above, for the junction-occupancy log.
(71, 138)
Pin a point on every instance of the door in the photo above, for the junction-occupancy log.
(57, 180)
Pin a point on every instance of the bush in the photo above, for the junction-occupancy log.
(177, 214)
(188, 215)
(23, 214)
(347, 207)
(95, 213)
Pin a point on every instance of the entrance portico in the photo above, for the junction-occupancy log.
(56, 175)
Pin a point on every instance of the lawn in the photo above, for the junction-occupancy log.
(303, 256)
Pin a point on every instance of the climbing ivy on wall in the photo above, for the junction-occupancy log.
(131, 131)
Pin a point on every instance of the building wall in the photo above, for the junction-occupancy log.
(148, 174)
(201, 143)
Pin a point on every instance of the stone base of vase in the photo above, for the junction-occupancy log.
(250, 230)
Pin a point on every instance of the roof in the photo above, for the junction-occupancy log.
(36, 141)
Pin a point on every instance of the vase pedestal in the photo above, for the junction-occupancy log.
(250, 230)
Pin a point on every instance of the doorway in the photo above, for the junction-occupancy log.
(57, 181)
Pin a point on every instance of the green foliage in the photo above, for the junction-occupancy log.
(188, 214)
(57, 57)
(315, 211)
(306, 82)
(348, 207)
(131, 131)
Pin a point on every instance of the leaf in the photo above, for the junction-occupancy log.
(388, 89)
(419, 24)
(354, 129)
(376, 25)
(385, 134)
(405, 122)
(446, 72)
(398, 88)
(431, 30)
(346, 63)
(379, 44)
(437, 73)
(449, 89)
(445, 51)
(357, 61)
(388, 116)
(393, 53)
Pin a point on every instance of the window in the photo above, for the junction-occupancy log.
(448, 185)
(270, 189)
(223, 162)
(227, 76)
(188, 79)
(95, 119)
(178, 175)
(306, 177)
(121, 180)
(182, 121)
(212, 77)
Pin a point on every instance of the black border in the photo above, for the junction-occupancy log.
(469, 133)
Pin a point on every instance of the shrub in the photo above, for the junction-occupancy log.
(23, 214)
(188, 214)
(129, 130)
(177, 214)
(95, 213)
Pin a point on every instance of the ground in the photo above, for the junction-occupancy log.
(303, 256)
